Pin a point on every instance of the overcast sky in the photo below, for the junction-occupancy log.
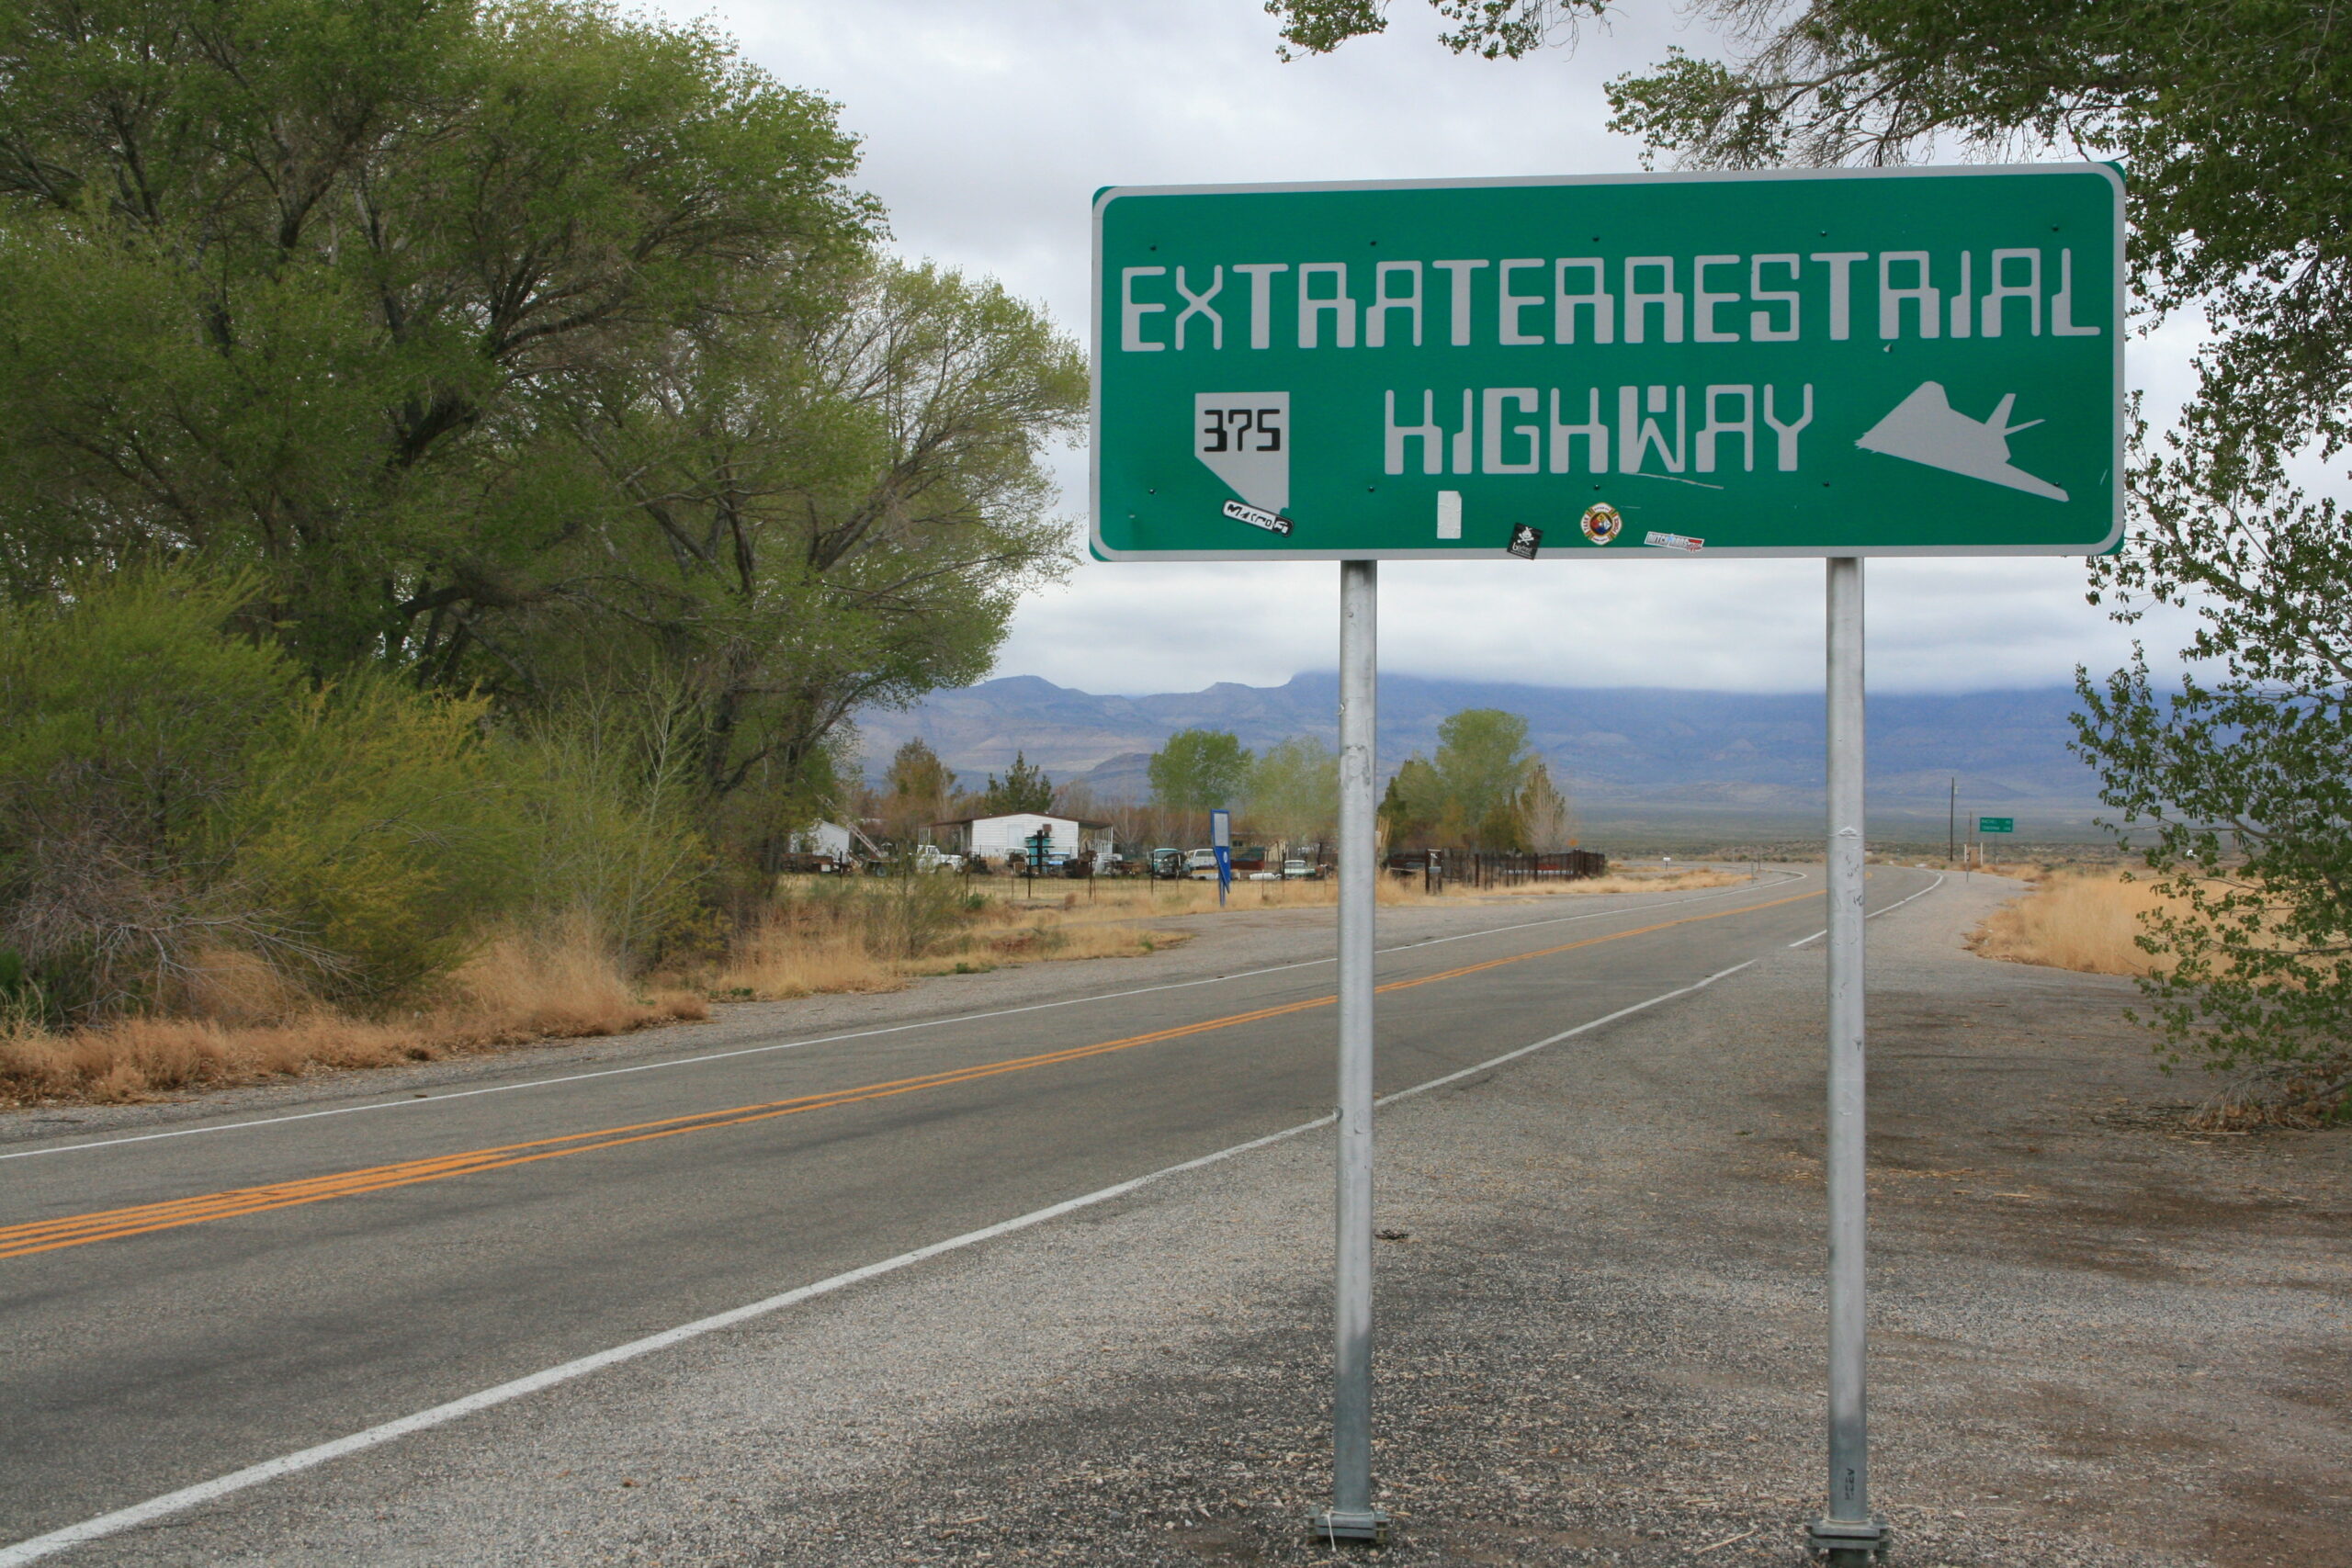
(988, 124)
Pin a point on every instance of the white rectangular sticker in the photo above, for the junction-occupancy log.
(1257, 517)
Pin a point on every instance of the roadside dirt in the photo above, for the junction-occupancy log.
(2098, 1339)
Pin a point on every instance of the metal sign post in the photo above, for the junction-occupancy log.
(1350, 1515)
(1849, 1533)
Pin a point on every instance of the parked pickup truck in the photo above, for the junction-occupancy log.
(1252, 862)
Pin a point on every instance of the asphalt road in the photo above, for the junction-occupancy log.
(175, 1308)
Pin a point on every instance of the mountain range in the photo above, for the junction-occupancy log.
(1729, 761)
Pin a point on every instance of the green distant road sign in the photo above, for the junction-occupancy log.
(1997, 824)
(1779, 363)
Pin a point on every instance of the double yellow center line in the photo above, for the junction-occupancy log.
(110, 1224)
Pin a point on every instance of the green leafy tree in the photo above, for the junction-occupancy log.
(2237, 785)
(1482, 764)
(1024, 788)
(1295, 791)
(916, 790)
(2234, 119)
(324, 286)
(1413, 809)
(1473, 792)
(507, 344)
(833, 524)
(917, 773)
(1200, 770)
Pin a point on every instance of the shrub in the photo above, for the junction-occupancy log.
(170, 789)
(126, 719)
(606, 789)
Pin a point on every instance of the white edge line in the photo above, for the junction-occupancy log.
(1549, 1040)
(1874, 914)
(414, 1103)
(203, 1492)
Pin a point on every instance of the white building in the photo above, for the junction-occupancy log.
(1001, 838)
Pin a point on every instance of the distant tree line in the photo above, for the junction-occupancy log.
(1484, 789)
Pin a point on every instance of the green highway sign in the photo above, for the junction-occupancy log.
(1997, 824)
(1775, 363)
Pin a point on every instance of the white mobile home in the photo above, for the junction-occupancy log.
(999, 838)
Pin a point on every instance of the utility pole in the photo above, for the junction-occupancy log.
(1952, 825)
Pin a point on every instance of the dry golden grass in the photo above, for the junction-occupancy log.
(254, 1029)
(1126, 899)
(853, 937)
(1070, 937)
(236, 1022)
(2084, 921)
(564, 987)
(1632, 881)
(777, 962)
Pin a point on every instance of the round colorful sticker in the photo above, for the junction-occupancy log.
(1601, 523)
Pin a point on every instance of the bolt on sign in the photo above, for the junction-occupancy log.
(1791, 363)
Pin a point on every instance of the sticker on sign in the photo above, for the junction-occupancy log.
(1256, 516)
(1777, 362)
(1674, 542)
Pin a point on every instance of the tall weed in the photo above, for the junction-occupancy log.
(605, 788)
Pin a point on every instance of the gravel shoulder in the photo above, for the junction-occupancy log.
(2097, 1339)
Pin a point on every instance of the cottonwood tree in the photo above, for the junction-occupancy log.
(1200, 770)
(2233, 121)
(915, 791)
(1294, 791)
(821, 522)
(1482, 765)
(1412, 809)
(512, 346)
(309, 283)
(1475, 792)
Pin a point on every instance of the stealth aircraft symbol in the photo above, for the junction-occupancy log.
(1926, 428)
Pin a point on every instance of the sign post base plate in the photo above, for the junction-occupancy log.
(1350, 1523)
